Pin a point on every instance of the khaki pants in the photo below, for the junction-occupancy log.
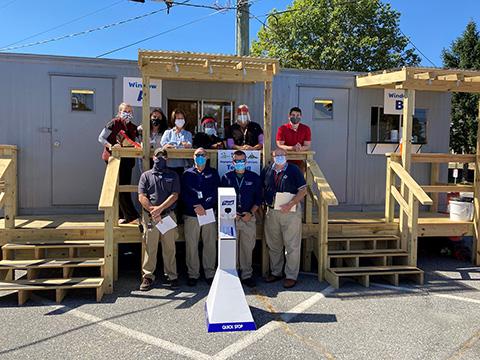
(151, 238)
(284, 230)
(208, 233)
(246, 237)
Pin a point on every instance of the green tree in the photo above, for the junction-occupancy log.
(464, 53)
(355, 35)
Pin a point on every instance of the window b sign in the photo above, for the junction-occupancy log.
(393, 102)
(133, 91)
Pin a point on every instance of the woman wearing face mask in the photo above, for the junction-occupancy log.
(177, 138)
(110, 136)
(158, 125)
(208, 139)
(244, 134)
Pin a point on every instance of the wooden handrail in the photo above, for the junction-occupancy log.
(436, 158)
(411, 184)
(4, 165)
(322, 184)
(440, 188)
(110, 181)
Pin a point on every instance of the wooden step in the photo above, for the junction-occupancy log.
(362, 237)
(363, 274)
(24, 287)
(50, 263)
(53, 243)
(365, 251)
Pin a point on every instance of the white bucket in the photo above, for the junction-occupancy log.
(461, 211)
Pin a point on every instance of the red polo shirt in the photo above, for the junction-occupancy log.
(291, 137)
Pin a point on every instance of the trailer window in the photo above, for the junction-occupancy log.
(82, 99)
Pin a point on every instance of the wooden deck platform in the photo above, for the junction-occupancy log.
(90, 227)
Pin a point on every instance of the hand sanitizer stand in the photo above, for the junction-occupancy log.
(226, 307)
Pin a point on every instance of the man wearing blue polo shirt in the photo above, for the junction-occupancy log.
(249, 197)
(199, 194)
(283, 227)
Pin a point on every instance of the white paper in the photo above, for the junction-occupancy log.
(281, 198)
(208, 218)
(167, 224)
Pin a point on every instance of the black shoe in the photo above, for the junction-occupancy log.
(209, 281)
(192, 282)
(173, 284)
(250, 282)
(146, 284)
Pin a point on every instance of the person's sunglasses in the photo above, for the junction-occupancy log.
(239, 161)
(199, 155)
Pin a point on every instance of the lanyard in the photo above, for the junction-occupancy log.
(239, 184)
(245, 135)
(278, 178)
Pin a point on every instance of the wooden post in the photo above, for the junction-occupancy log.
(408, 110)
(434, 179)
(476, 200)
(108, 250)
(267, 149)
(389, 200)
(11, 188)
(412, 230)
(322, 238)
(146, 122)
(267, 122)
(308, 200)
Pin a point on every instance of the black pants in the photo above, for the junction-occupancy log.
(127, 210)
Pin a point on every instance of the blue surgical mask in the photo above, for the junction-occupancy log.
(239, 166)
(200, 160)
(280, 159)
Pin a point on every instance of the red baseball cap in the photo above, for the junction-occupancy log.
(208, 120)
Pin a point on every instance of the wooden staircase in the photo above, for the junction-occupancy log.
(52, 265)
(364, 257)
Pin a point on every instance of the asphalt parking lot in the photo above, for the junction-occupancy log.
(440, 320)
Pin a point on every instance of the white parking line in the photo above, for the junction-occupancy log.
(229, 351)
(265, 330)
(426, 292)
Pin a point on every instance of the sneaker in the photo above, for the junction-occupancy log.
(289, 283)
(272, 278)
(146, 284)
(173, 284)
(209, 281)
(191, 282)
(250, 282)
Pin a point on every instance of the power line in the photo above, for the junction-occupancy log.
(64, 24)
(7, 4)
(161, 33)
(411, 42)
(84, 32)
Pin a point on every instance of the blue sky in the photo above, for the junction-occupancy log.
(430, 24)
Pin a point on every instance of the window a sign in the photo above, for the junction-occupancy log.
(393, 102)
(225, 158)
(133, 92)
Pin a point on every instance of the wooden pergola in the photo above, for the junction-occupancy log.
(170, 65)
(412, 79)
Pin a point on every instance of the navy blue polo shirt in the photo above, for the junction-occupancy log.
(158, 186)
(290, 179)
(199, 188)
(247, 187)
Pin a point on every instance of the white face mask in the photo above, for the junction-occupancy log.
(179, 123)
(210, 131)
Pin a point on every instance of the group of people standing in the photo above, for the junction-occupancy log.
(172, 182)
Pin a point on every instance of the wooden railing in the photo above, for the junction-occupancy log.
(435, 187)
(8, 183)
(109, 204)
(409, 197)
(320, 194)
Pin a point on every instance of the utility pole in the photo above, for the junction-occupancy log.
(243, 20)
